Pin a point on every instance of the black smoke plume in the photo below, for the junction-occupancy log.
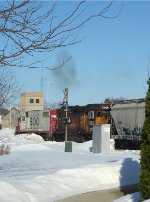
(66, 76)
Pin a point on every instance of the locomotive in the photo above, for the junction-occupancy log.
(82, 119)
(40, 122)
(126, 119)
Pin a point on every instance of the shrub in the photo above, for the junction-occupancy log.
(144, 186)
(4, 150)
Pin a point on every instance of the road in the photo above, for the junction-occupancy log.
(102, 196)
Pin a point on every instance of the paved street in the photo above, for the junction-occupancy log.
(101, 196)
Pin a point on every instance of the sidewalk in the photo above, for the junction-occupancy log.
(102, 196)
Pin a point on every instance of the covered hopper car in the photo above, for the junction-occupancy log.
(127, 122)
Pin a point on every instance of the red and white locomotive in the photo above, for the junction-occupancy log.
(40, 122)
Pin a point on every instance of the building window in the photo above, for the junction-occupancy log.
(23, 118)
(37, 101)
(31, 100)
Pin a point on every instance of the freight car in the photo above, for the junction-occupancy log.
(127, 122)
(81, 121)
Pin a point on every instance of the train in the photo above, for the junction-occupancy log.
(51, 124)
(126, 119)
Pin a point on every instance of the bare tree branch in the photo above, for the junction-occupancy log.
(29, 27)
(9, 88)
(55, 68)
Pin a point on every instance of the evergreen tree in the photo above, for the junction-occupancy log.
(144, 186)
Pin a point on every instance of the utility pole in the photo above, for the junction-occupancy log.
(66, 126)
(10, 117)
(65, 103)
(67, 120)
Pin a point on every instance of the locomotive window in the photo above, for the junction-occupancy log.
(31, 100)
(99, 114)
(45, 114)
(23, 118)
(27, 114)
(91, 114)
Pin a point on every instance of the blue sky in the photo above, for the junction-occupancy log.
(111, 61)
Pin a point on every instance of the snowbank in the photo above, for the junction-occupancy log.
(40, 171)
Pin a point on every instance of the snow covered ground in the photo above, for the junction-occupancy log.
(38, 171)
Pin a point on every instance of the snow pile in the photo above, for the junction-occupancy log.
(32, 137)
(135, 197)
(7, 137)
(112, 145)
(42, 172)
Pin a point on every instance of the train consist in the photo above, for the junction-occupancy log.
(51, 124)
(126, 119)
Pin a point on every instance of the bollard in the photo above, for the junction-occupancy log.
(68, 146)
